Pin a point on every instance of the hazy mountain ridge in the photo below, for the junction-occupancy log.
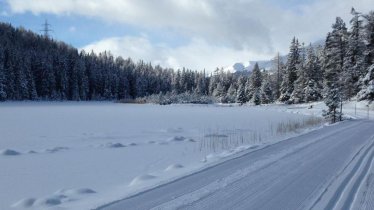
(263, 64)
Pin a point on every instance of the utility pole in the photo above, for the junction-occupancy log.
(46, 29)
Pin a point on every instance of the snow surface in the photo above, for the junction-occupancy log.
(329, 169)
(82, 155)
(351, 109)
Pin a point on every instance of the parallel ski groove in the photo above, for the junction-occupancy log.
(337, 195)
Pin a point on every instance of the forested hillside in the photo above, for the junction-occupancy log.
(34, 67)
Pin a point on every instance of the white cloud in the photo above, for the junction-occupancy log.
(252, 27)
(198, 54)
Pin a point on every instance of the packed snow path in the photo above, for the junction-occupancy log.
(330, 168)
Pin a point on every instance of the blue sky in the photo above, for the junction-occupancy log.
(198, 34)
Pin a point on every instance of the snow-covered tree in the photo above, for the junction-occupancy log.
(369, 39)
(219, 92)
(256, 98)
(254, 82)
(231, 94)
(278, 67)
(201, 84)
(367, 89)
(290, 73)
(3, 95)
(266, 93)
(313, 85)
(333, 65)
(298, 94)
(366, 82)
(240, 95)
(354, 66)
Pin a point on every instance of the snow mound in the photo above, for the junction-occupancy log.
(191, 140)
(212, 157)
(133, 144)
(163, 143)
(174, 167)
(9, 152)
(77, 191)
(24, 203)
(57, 198)
(48, 201)
(115, 145)
(142, 178)
(82, 191)
(151, 142)
(32, 152)
(56, 149)
(177, 138)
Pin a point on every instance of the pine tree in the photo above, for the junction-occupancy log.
(3, 95)
(9, 71)
(367, 89)
(241, 96)
(219, 92)
(248, 89)
(290, 74)
(22, 80)
(354, 66)
(298, 93)
(367, 80)
(266, 94)
(333, 65)
(369, 39)
(176, 83)
(313, 87)
(231, 94)
(256, 99)
(254, 82)
(200, 84)
(75, 65)
(278, 67)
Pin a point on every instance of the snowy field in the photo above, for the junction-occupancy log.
(83, 155)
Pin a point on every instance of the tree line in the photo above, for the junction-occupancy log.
(35, 67)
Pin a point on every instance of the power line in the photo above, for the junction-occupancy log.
(46, 29)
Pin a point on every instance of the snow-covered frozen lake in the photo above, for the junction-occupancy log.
(79, 155)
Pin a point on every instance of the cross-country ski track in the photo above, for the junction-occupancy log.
(329, 168)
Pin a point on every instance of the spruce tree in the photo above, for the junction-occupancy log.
(219, 92)
(313, 87)
(254, 83)
(240, 95)
(266, 93)
(354, 66)
(367, 88)
(290, 74)
(231, 94)
(367, 80)
(369, 39)
(333, 65)
(3, 95)
(256, 99)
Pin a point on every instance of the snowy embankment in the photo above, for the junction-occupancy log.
(351, 109)
(326, 169)
(82, 155)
